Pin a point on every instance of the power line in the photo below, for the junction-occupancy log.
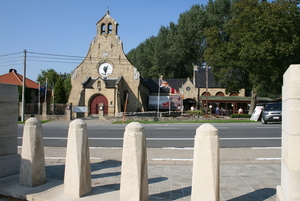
(10, 54)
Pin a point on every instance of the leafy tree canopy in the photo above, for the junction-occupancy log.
(256, 46)
(61, 82)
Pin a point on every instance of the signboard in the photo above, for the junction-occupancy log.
(165, 102)
(256, 113)
(79, 109)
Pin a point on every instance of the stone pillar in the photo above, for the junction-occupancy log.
(134, 172)
(290, 151)
(44, 108)
(77, 181)
(206, 165)
(9, 157)
(32, 169)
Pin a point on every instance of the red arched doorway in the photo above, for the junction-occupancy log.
(94, 105)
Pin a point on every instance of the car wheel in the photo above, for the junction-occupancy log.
(263, 121)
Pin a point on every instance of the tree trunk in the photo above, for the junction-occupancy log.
(253, 100)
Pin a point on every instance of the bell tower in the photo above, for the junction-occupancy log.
(107, 26)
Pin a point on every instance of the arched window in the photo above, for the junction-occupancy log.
(110, 27)
(233, 94)
(103, 28)
(220, 94)
(204, 94)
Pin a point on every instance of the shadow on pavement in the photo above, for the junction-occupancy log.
(175, 194)
(259, 195)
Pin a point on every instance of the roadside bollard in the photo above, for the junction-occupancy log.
(134, 172)
(32, 168)
(206, 165)
(77, 181)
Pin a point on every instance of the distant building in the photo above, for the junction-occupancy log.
(14, 78)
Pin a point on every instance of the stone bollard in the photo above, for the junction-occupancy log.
(134, 172)
(32, 169)
(290, 151)
(77, 181)
(9, 157)
(206, 165)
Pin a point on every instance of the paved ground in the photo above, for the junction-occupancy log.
(238, 182)
(245, 175)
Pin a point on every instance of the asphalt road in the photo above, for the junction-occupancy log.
(232, 135)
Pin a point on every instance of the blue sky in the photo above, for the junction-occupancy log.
(66, 27)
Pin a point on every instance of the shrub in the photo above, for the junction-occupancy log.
(240, 116)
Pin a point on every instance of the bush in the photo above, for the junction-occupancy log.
(195, 112)
(240, 116)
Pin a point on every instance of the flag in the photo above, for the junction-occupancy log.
(42, 90)
(163, 84)
(174, 91)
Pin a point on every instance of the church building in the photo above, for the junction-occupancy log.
(106, 80)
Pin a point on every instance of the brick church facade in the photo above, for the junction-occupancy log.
(105, 77)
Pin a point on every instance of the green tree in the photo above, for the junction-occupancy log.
(59, 91)
(50, 75)
(256, 46)
(59, 80)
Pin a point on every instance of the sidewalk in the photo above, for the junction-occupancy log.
(246, 178)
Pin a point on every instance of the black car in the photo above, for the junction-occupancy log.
(271, 112)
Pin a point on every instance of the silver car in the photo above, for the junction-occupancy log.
(271, 112)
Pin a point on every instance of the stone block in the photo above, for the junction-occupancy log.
(77, 180)
(9, 159)
(32, 169)
(134, 171)
(290, 151)
(206, 168)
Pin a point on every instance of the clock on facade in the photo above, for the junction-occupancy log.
(105, 69)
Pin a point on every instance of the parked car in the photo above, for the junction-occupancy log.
(272, 112)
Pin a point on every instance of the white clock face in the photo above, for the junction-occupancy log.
(105, 69)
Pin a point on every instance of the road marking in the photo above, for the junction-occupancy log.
(268, 127)
(256, 138)
(166, 128)
(265, 147)
(171, 159)
(179, 148)
(267, 159)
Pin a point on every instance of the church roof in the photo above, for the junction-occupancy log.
(14, 78)
(107, 16)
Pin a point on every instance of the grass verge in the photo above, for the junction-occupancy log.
(201, 121)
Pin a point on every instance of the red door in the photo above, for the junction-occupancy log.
(94, 105)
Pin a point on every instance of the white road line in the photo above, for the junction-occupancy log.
(63, 158)
(267, 159)
(166, 128)
(256, 138)
(171, 159)
(265, 147)
(267, 127)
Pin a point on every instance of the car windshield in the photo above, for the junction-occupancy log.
(273, 107)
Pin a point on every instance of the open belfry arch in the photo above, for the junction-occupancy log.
(106, 76)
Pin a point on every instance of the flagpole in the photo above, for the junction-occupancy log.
(46, 89)
(158, 97)
(39, 101)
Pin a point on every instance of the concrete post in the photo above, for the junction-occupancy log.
(206, 168)
(32, 169)
(290, 152)
(77, 181)
(134, 172)
(9, 157)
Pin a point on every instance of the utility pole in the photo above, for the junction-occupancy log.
(23, 88)
(206, 93)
